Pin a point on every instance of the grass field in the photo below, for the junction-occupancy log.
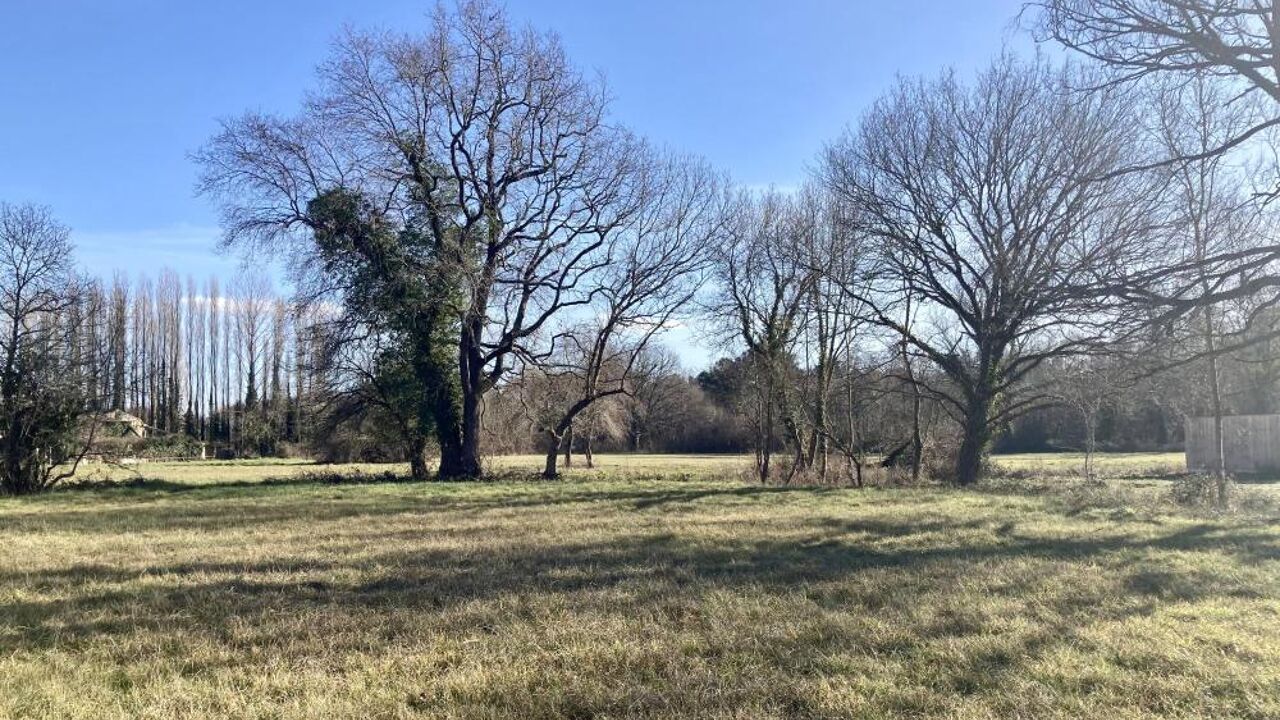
(252, 471)
(624, 593)
(621, 465)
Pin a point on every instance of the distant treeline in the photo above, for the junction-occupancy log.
(237, 367)
(224, 366)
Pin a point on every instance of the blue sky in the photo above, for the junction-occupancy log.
(101, 101)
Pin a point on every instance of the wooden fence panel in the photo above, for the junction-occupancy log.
(1251, 443)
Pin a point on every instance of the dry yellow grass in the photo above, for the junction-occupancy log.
(1122, 464)
(222, 472)
(613, 465)
(609, 597)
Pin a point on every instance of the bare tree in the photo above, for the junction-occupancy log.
(652, 266)
(765, 283)
(1233, 41)
(996, 210)
(1213, 216)
(1086, 384)
(830, 325)
(119, 341)
(229, 401)
(1231, 45)
(653, 403)
(484, 138)
(251, 308)
(41, 403)
(214, 328)
(190, 420)
(168, 322)
(278, 401)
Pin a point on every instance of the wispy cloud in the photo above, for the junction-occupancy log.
(186, 249)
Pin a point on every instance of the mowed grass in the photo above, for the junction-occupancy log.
(619, 595)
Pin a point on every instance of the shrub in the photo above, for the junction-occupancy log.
(336, 477)
(1195, 490)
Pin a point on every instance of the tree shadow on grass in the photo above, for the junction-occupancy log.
(396, 582)
(646, 568)
(234, 506)
(482, 588)
(685, 496)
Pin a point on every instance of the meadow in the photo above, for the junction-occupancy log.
(647, 588)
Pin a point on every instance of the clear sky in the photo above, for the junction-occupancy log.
(101, 101)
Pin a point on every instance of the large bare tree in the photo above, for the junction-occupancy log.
(1231, 45)
(1232, 41)
(487, 142)
(996, 210)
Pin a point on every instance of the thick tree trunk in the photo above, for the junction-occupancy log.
(448, 425)
(549, 470)
(451, 466)
(470, 456)
(418, 461)
(460, 433)
(14, 480)
(975, 442)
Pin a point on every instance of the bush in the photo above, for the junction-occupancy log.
(1195, 490)
(168, 446)
(338, 477)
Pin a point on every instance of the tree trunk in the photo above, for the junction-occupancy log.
(1090, 442)
(470, 456)
(460, 433)
(453, 465)
(568, 447)
(917, 437)
(549, 470)
(824, 449)
(974, 445)
(1219, 443)
(764, 437)
(418, 460)
(588, 451)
